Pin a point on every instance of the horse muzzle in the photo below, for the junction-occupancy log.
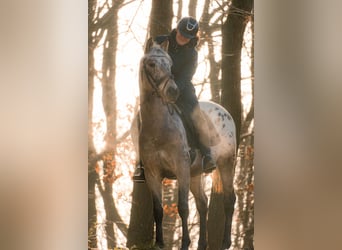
(171, 92)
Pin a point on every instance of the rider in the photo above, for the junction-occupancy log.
(182, 49)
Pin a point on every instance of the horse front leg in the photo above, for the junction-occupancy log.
(155, 186)
(183, 210)
(158, 218)
(227, 177)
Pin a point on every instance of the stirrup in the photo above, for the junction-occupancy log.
(139, 175)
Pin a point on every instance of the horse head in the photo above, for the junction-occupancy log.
(155, 72)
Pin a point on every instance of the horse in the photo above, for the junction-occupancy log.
(161, 143)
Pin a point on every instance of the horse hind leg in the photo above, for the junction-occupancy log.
(227, 178)
(158, 218)
(229, 201)
(201, 205)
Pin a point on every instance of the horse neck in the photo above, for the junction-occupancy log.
(152, 108)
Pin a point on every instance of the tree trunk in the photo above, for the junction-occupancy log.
(245, 176)
(92, 219)
(179, 10)
(140, 231)
(232, 36)
(161, 17)
(244, 187)
(109, 106)
(192, 8)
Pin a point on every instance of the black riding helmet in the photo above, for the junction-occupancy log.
(188, 27)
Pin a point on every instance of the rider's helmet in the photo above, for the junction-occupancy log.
(188, 27)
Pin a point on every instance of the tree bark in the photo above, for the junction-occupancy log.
(179, 10)
(161, 17)
(245, 177)
(192, 8)
(244, 186)
(140, 231)
(232, 36)
(92, 219)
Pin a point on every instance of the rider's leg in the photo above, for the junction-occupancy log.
(188, 104)
(208, 163)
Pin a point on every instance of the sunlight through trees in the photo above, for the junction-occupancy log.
(117, 31)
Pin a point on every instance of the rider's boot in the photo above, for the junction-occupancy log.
(208, 163)
(139, 175)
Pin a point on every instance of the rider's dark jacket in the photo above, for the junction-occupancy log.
(184, 65)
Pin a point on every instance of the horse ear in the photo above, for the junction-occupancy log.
(149, 44)
(165, 45)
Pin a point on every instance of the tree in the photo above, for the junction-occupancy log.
(161, 17)
(244, 182)
(192, 8)
(239, 14)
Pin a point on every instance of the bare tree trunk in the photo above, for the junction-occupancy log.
(140, 231)
(232, 37)
(244, 187)
(92, 179)
(244, 182)
(179, 10)
(161, 17)
(192, 8)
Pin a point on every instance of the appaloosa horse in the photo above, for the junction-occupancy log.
(162, 145)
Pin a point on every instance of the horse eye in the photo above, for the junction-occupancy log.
(151, 64)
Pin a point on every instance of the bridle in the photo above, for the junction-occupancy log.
(156, 82)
